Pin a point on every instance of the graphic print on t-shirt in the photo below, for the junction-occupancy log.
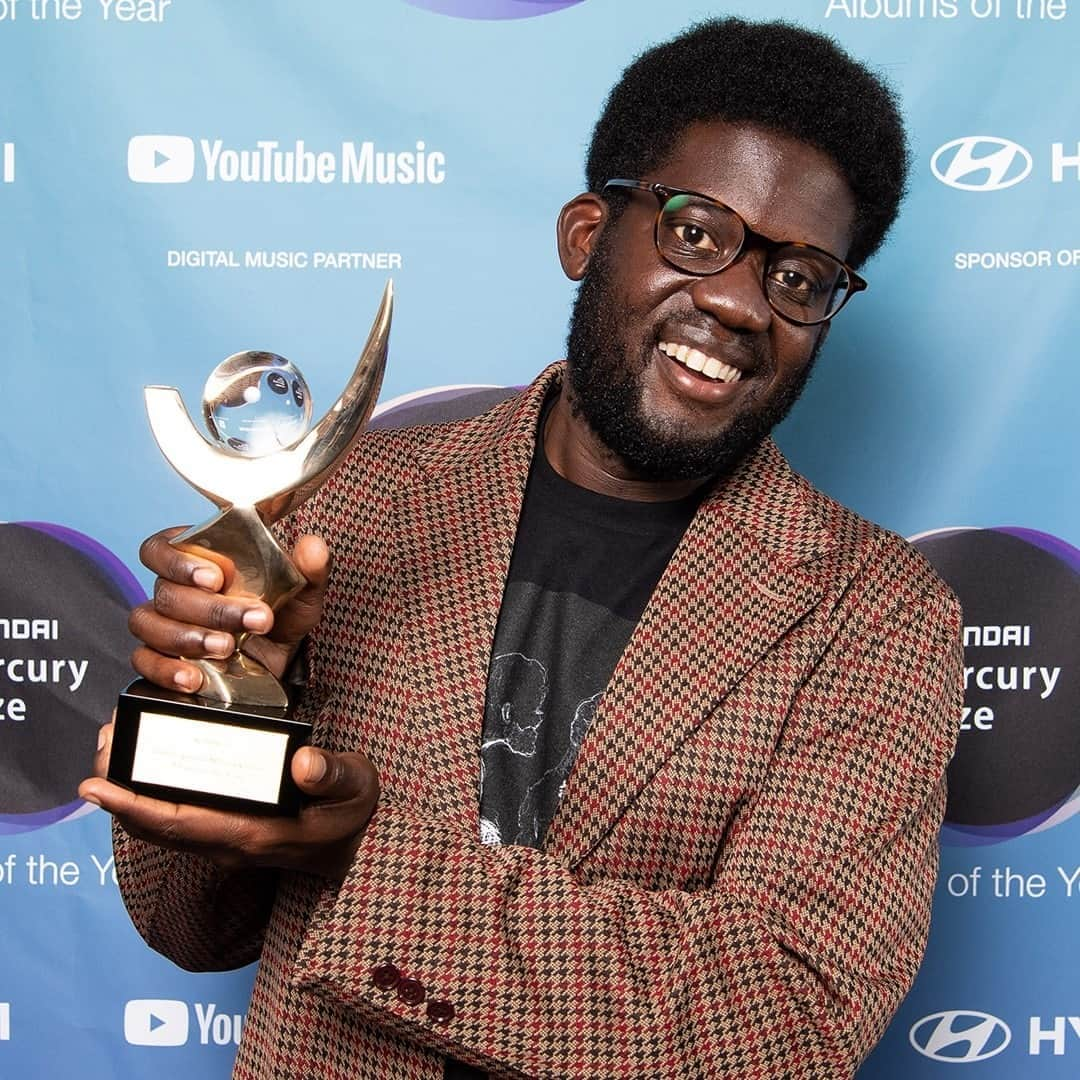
(517, 723)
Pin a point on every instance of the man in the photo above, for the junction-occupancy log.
(707, 709)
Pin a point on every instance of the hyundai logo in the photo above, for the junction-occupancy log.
(981, 163)
(960, 1035)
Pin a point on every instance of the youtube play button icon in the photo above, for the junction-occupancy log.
(156, 1022)
(161, 159)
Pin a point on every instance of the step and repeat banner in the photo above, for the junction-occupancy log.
(183, 179)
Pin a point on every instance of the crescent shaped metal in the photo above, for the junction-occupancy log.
(278, 483)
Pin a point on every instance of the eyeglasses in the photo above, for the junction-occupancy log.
(699, 235)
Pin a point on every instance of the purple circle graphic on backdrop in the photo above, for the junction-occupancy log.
(493, 9)
(64, 648)
(439, 405)
(1017, 763)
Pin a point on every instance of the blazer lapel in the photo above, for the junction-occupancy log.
(455, 531)
(737, 582)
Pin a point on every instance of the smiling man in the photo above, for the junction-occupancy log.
(630, 744)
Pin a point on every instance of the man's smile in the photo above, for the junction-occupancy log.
(708, 367)
(701, 362)
(675, 368)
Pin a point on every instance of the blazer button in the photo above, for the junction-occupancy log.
(411, 991)
(442, 1012)
(385, 976)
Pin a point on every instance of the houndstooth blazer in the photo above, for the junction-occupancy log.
(738, 880)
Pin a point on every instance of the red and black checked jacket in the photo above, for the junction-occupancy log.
(737, 883)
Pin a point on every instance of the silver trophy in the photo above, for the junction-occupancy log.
(231, 744)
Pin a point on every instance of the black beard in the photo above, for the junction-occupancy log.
(606, 394)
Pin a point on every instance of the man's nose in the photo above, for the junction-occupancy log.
(736, 295)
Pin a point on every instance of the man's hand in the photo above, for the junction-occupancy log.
(192, 615)
(323, 839)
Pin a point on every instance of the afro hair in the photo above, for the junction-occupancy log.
(773, 75)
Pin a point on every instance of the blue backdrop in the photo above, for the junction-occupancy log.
(153, 223)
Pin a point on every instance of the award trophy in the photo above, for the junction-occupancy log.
(230, 746)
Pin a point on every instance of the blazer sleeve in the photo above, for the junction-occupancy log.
(198, 915)
(790, 964)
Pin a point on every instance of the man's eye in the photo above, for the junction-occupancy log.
(795, 283)
(694, 236)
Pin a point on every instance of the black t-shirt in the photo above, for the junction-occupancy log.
(583, 569)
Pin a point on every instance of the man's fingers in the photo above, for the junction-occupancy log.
(214, 611)
(312, 559)
(157, 554)
(175, 825)
(178, 638)
(139, 810)
(336, 777)
(165, 671)
(104, 747)
(205, 626)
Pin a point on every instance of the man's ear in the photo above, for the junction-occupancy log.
(578, 229)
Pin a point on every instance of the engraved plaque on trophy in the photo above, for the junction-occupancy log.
(230, 746)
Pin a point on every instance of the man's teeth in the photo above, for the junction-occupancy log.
(698, 361)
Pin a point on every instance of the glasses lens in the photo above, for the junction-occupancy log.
(697, 236)
(805, 285)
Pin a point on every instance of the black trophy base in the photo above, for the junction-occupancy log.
(186, 749)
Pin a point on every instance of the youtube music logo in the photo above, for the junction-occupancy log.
(161, 159)
(156, 1022)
